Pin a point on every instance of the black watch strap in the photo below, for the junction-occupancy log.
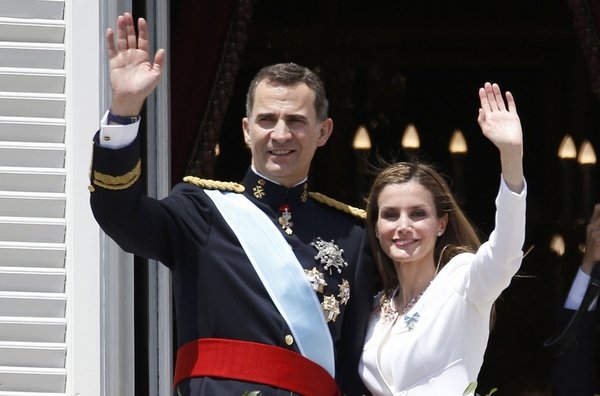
(115, 119)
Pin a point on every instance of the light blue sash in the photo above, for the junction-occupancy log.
(281, 274)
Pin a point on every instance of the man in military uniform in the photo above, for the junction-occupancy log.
(575, 362)
(266, 273)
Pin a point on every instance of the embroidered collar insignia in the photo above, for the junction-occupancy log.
(259, 190)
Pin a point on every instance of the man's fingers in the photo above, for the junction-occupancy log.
(142, 35)
(131, 36)
(110, 43)
(159, 60)
(121, 34)
(596, 215)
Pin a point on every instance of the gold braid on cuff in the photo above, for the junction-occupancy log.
(118, 182)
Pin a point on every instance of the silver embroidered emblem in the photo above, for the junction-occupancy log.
(330, 255)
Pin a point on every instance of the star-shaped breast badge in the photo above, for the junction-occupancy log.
(330, 255)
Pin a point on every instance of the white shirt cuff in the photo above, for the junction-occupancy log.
(117, 136)
(578, 288)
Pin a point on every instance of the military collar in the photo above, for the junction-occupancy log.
(274, 194)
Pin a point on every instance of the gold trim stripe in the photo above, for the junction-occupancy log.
(360, 213)
(118, 182)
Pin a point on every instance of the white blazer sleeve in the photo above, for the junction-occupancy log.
(499, 259)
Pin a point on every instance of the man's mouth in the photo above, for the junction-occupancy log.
(280, 152)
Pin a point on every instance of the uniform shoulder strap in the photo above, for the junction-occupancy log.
(356, 212)
(215, 184)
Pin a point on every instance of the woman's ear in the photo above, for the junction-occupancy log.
(443, 222)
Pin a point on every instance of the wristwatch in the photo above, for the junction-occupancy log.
(115, 119)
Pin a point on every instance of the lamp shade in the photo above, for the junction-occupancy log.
(586, 154)
(458, 144)
(567, 148)
(361, 140)
(410, 138)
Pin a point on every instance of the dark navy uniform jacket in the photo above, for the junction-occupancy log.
(217, 293)
(574, 371)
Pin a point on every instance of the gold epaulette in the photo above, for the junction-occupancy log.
(356, 212)
(215, 184)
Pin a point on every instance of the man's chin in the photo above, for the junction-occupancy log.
(278, 169)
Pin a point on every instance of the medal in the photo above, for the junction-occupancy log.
(330, 255)
(344, 294)
(331, 307)
(316, 279)
(285, 220)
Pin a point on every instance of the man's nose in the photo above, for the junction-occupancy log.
(281, 132)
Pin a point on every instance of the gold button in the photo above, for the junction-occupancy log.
(289, 340)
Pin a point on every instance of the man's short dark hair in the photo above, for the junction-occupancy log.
(289, 74)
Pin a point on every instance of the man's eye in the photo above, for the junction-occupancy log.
(265, 122)
(295, 124)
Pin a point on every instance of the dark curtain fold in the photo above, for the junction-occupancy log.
(586, 19)
(198, 32)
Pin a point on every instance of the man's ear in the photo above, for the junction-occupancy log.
(246, 130)
(325, 130)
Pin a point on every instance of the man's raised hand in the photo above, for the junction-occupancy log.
(133, 76)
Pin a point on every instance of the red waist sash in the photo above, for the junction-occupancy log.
(253, 362)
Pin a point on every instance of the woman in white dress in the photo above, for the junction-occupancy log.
(428, 332)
